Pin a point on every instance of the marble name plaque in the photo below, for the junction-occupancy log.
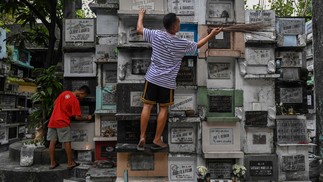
(182, 135)
(183, 102)
(266, 16)
(291, 95)
(291, 131)
(142, 162)
(218, 70)
(181, 172)
(256, 118)
(182, 7)
(220, 168)
(221, 136)
(221, 41)
(293, 163)
(259, 56)
(220, 104)
(291, 26)
(261, 168)
(79, 65)
(79, 30)
(79, 135)
(291, 59)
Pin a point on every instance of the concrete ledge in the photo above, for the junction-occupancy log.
(41, 155)
(224, 154)
(12, 171)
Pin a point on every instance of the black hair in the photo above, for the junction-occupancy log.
(85, 89)
(169, 20)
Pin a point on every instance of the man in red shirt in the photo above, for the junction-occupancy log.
(66, 106)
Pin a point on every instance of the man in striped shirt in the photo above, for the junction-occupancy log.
(167, 53)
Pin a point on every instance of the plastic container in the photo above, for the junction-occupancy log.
(26, 156)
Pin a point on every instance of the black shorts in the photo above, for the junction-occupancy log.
(154, 94)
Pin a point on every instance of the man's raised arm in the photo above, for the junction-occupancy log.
(140, 22)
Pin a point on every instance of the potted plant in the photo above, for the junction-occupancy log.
(49, 87)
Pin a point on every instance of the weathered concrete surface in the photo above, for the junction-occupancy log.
(11, 171)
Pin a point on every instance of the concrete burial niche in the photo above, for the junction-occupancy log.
(187, 73)
(79, 34)
(262, 167)
(133, 65)
(79, 64)
(184, 100)
(106, 126)
(129, 98)
(129, 132)
(264, 16)
(229, 44)
(220, 169)
(103, 19)
(82, 135)
(259, 140)
(185, 10)
(292, 95)
(142, 164)
(220, 72)
(291, 130)
(290, 32)
(106, 98)
(220, 104)
(293, 162)
(182, 137)
(155, 6)
(221, 140)
(182, 168)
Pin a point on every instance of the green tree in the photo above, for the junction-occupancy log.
(287, 8)
(28, 12)
(48, 34)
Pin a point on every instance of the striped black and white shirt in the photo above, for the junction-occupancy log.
(167, 53)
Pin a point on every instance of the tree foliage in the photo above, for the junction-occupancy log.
(287, 8)
(28, 13)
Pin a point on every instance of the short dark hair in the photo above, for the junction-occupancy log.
(85, 89)
(169, 20)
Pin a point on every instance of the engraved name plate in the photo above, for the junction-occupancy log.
(291, 95)
(293, 163)
(182, 135)
(79, 30)
(221, 136)
(261, 168)
(291, 131)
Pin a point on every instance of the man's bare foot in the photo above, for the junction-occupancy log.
(141, 144)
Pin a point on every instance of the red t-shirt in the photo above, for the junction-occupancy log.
(66, 106)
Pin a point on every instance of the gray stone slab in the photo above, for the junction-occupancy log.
(182, 137)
